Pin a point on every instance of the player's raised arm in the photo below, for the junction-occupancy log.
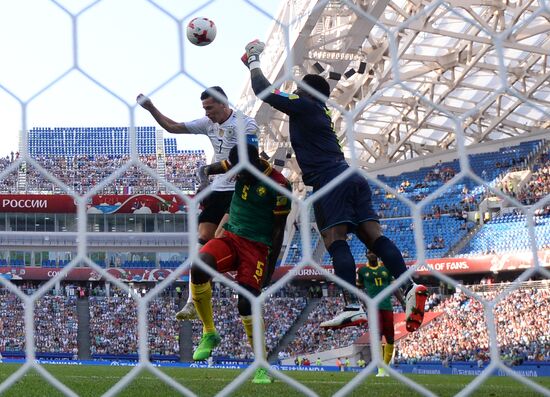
(286, 103)
(165, 122)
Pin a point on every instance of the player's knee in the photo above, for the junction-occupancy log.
(243, 303)
(245, 309)
(330, 236)
(206, 231)
(200, 276)
(368, 232)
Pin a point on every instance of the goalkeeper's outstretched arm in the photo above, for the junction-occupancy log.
(286, 103)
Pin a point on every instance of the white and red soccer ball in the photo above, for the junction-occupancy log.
(201, 31)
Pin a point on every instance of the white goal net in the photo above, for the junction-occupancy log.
(409, 79)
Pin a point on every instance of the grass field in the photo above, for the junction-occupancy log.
(96, 380)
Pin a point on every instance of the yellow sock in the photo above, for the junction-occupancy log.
(388, 353)
(202, 298)
(248, 329)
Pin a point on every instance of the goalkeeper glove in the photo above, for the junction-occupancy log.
(251, 57)
(202, 176)
(144, 101)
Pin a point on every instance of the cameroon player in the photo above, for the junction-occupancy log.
(250, 246)
(374, 277)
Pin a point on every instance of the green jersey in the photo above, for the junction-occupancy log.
(254, 207)
(374, 280)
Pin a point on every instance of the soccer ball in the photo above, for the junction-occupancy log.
(201, 31)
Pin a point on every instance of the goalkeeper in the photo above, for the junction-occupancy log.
(250, 246)
(347, 207)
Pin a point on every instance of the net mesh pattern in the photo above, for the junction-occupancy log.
(389, 31)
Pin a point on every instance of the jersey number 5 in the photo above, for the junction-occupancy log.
(244, 194)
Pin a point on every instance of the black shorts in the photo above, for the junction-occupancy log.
(215, 206)
(348, 203)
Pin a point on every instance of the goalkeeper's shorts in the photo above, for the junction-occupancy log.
(347, 203)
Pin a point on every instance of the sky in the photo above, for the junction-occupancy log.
(122, 48)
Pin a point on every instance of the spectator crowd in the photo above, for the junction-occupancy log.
(82, 172)
(310, 338)
(538, 185)
(460, 333)
(55, 320)
(280, 313)
(113, 325)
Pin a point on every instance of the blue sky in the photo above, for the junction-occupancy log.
(128, 47)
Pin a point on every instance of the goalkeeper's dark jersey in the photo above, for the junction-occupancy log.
(254, 207)
(374, 280)
(311, 131)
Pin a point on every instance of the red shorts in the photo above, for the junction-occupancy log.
(385, 319)
(234, 253)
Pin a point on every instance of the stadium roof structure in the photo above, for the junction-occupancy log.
(409, 75)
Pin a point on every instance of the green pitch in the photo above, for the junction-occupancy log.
(94, 381)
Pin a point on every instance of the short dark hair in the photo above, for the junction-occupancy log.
(318, 83)
(216, 92)
(246, 176)
(253, 155)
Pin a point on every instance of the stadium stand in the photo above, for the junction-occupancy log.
(460, 334)
(508, 233)
(55, 320)
(56, 324)
(279, 313)
(113, 325)
(444, 222)
(419, 184)
(310, 338)
(538, 185)
(82, 157)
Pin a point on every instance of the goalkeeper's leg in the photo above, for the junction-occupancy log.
(344, 267)
(370, 233)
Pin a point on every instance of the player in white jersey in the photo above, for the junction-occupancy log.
(220, 124)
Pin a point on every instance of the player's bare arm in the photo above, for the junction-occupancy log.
(205, 171)
(277, 241)
(165, 122)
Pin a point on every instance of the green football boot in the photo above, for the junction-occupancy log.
(209, 342)
(262, 377)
